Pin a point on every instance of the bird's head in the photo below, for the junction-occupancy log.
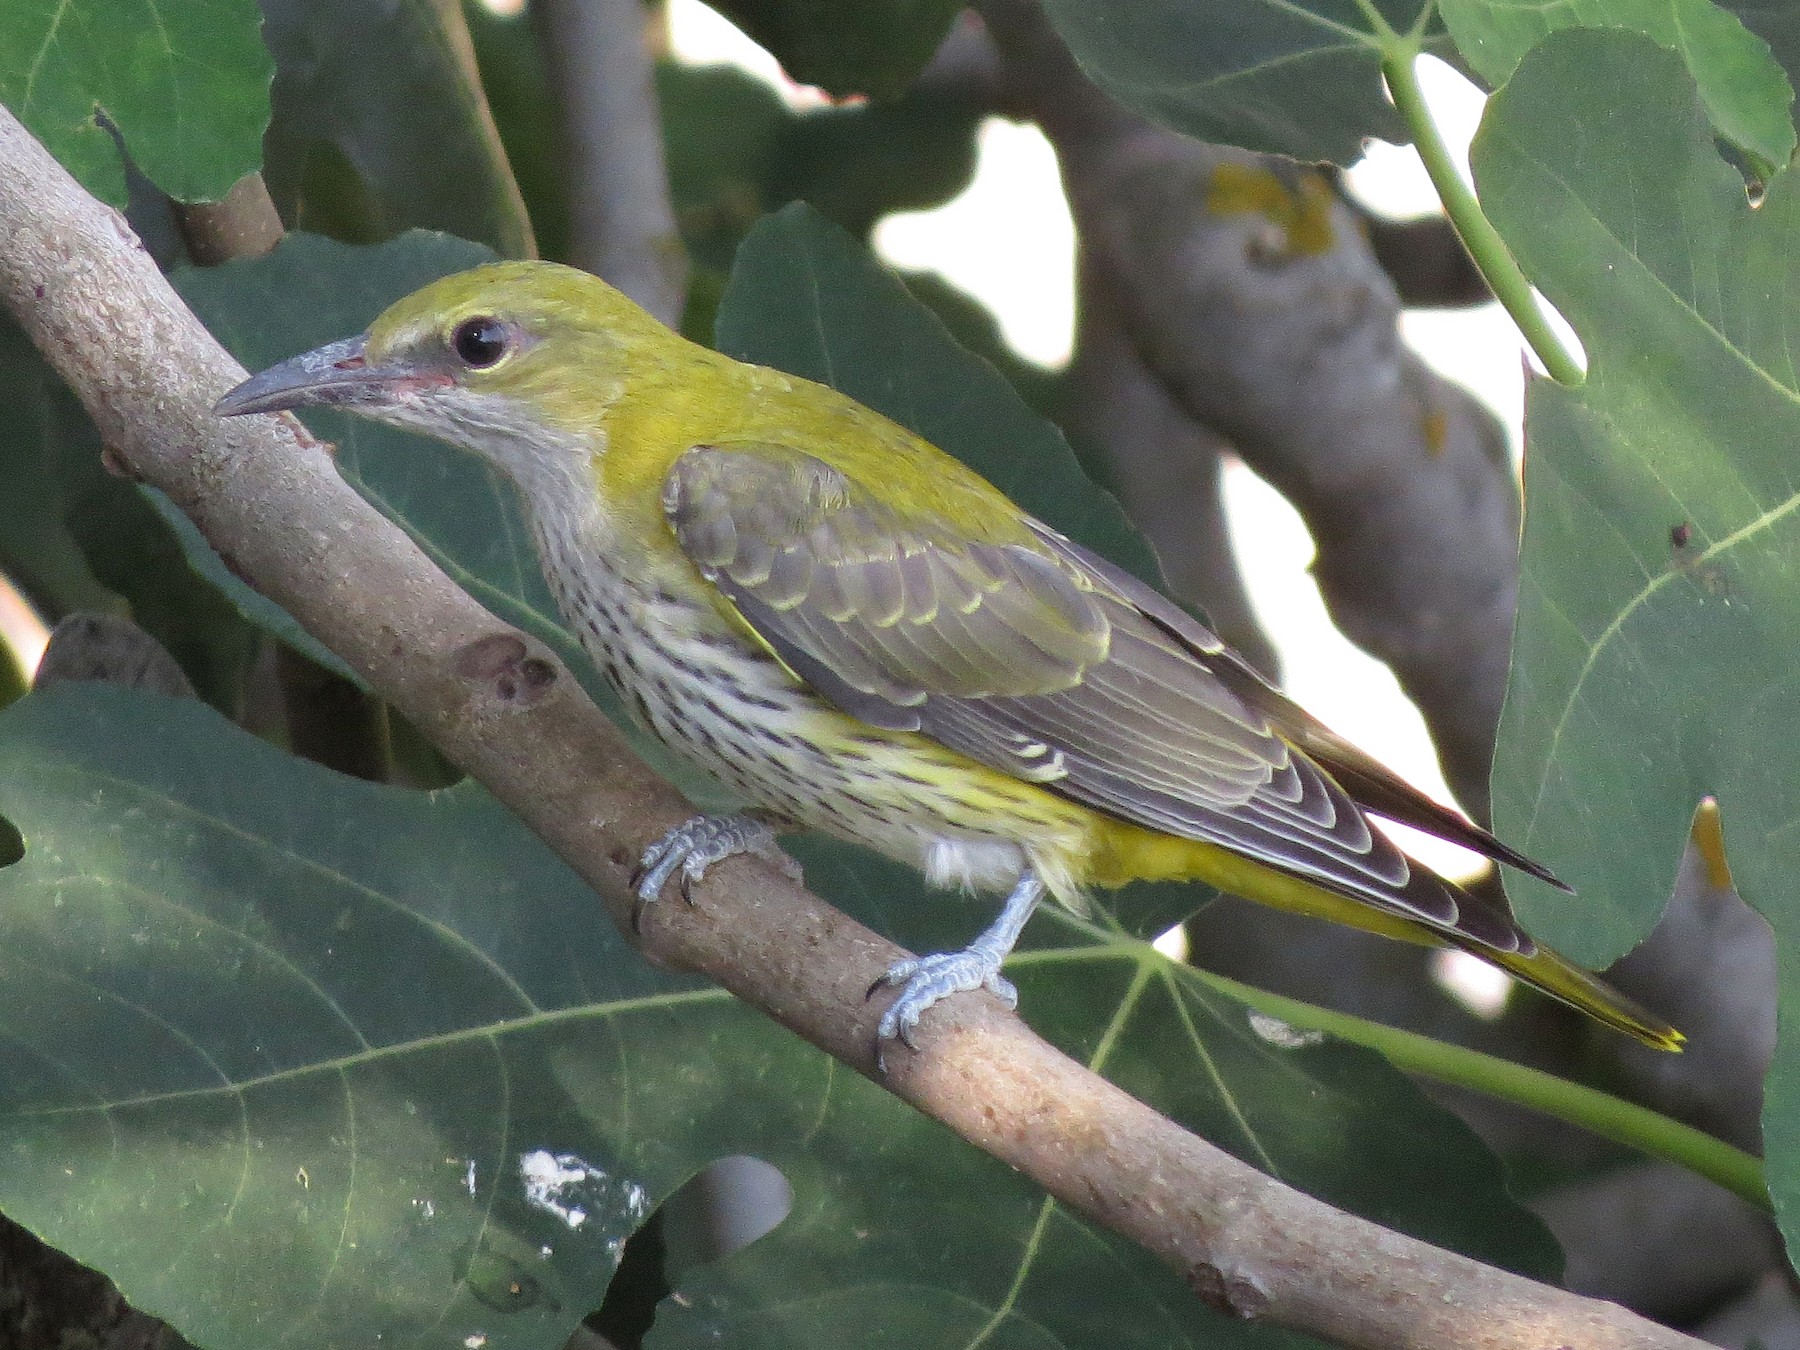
(515, 361)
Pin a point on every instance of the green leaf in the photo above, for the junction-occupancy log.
(75, 537)
(1300, 79)
(857, 164)
(723, 130)
(281, 1046)
(1776, 23)
(186, 82)
(49, 456)
(1746, 92)
(1660, 595)
(380, 125)
(875, 47)
(216, 1088)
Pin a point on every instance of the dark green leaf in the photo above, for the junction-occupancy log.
(858, 164)
(1300, 79)
(49, 457)
(281, 1046)
(1660, 596)
(380, 125)
(74, 537)
(1746, 92)
(251, 605)
(722, 131)
(186, 82)
(1776, 23)
(974, 328)
(875, 47)
(218, 1090)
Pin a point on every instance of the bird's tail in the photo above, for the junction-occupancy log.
(1481, 929)
(1561, 978)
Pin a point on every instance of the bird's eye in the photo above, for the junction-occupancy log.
(480, 343)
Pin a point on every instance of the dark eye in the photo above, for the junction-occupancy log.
(479, 343)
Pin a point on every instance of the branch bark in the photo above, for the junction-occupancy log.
(265, 494)
(621, 221)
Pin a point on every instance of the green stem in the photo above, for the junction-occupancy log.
(1610, 1117)
(1479, 236)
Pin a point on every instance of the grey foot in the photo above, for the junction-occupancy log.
(924, 980)
(696, 845)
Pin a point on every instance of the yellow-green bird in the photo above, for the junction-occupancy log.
(866, 638)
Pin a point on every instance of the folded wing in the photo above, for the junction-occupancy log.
(1045, 662)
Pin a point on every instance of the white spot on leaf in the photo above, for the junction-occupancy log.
(571, 1188)
(1279, 1033)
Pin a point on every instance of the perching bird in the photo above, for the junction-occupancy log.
(866, 638)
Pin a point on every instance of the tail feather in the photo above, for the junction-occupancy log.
(1562, 979)
(1480, 928)
(1377, 792)
(1487, 930)
(1370, 783)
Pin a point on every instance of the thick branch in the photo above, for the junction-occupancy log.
(267, 497)
(621, 222)
(1251, 292)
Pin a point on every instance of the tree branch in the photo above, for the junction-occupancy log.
(265, 494)
(244, 225)
(621, 221)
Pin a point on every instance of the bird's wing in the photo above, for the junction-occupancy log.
(1036, 658)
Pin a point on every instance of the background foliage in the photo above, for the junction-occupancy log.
(299, 1059)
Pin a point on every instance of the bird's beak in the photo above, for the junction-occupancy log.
(335, 375)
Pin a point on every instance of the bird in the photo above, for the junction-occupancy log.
(864, 637)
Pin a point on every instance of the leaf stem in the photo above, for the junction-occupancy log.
(1610, 1117)
(1479, 236)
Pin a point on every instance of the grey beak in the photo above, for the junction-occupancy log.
(334, 375)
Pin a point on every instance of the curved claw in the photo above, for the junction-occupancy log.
(925, 980)
(694, 846)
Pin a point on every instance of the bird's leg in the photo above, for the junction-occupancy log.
(696, 845)
(926, 979)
